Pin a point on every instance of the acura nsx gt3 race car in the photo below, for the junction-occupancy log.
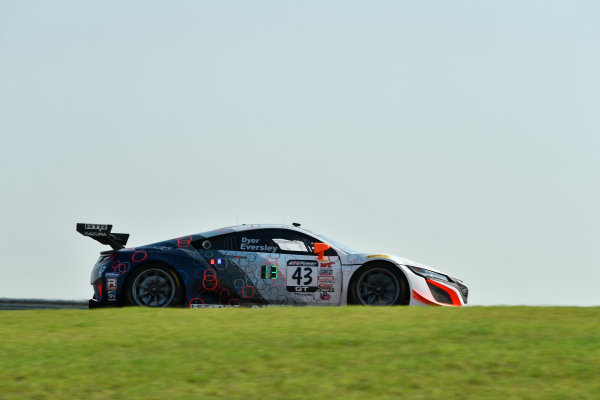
(254, 265)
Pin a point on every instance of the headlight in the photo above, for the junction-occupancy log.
(425, 273)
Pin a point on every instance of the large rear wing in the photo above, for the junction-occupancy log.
(102, 234)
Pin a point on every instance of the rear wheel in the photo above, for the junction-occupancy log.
(154, 286)
(378, 285)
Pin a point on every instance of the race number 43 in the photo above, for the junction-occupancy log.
(302, 276)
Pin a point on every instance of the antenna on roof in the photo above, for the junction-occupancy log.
(295, 224)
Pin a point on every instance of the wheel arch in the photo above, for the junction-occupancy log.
(159, 263)
(394, 268)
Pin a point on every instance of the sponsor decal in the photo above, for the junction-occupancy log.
(97, 234)
(325, 296)
(301, 289)
(303, 263)
(111, 281)
(326, 290)
(327, 264)
(112, 295)
(264, 305)
(326, 278)
(200, 305)
(94, 227)
(326, 272)
(252, 244)
(300, 294)
(326, 286)
(378, 256)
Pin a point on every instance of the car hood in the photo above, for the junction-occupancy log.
(363, 257)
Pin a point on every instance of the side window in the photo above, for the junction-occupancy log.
(222, 242)
(278, 241)
(263, 241)
(296, 242)
(309, 243)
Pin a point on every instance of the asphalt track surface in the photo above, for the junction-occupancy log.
(41, 304)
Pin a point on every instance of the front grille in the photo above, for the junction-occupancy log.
(439, 294)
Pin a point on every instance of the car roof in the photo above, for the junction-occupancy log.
(249, 227)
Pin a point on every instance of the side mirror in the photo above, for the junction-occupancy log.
(320, 249)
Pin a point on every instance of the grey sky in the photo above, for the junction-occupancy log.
(463, 134)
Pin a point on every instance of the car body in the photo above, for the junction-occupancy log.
(258, 265)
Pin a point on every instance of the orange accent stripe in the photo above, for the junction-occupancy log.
(422, 299)
(452, 293)
(100, 290)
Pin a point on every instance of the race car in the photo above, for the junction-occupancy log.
(259, 265)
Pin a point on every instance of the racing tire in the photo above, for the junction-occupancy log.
(378, 285)
(154, 286)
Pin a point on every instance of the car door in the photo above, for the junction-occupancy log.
(286, 269)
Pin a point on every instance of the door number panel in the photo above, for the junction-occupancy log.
(302, 278)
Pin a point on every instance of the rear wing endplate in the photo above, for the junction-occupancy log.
(102, 234)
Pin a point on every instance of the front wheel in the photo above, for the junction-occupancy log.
(154, 286)
(378, 286)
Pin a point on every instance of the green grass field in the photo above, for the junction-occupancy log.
(302, 353)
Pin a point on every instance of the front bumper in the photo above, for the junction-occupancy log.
(439, 293)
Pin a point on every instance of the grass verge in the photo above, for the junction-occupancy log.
(302, 353)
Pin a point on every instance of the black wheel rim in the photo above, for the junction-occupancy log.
(378, 287)
(153, 288)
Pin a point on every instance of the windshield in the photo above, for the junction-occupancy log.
(340, 246)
